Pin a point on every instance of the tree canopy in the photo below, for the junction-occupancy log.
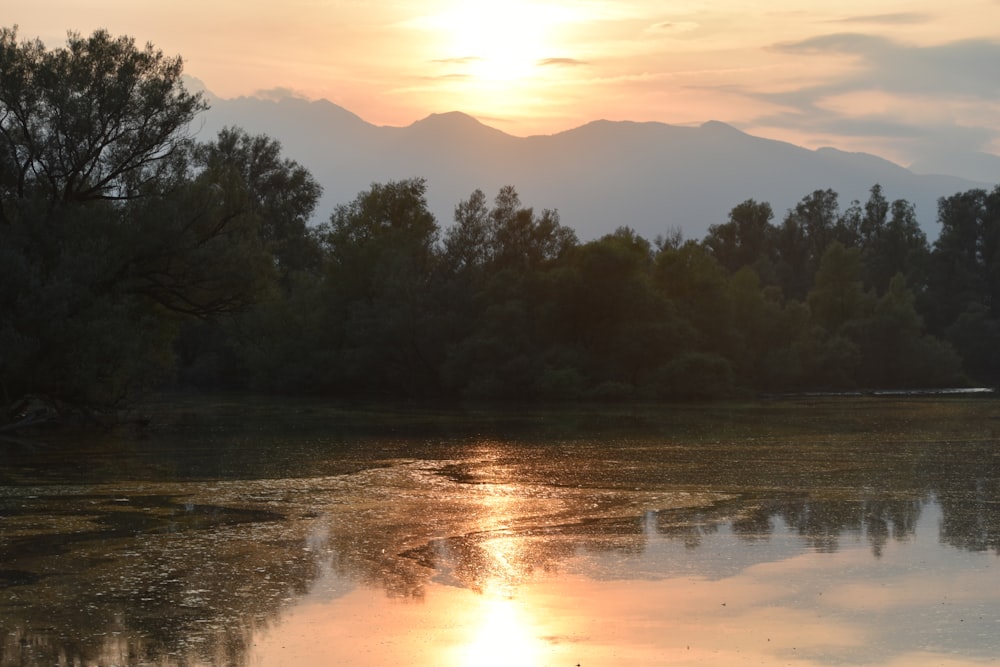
(114, 225)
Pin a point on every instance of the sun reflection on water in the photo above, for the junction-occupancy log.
(501, 631)
(502, 635)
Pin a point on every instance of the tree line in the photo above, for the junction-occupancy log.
(133, 257)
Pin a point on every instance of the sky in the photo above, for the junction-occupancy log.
(904, 80)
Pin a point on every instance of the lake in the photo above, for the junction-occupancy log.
(241, 531)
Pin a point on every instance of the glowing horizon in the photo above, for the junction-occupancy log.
(897, 80)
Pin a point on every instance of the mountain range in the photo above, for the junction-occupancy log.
(653, 177)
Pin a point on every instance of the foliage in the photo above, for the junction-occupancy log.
(110, 234)
(96, 119)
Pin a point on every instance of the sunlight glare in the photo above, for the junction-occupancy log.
(503, 637)
(498, 42)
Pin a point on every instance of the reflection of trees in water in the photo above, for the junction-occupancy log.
(971, 514)
(162, 582)
(689, 525)
(820, 522)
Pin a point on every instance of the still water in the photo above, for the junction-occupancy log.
(848, 531)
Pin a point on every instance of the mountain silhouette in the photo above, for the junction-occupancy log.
(652, 177)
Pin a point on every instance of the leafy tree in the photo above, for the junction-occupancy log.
(838, 296)
(957, 268)
(469, 244)
(801, 240)
(98, 119)
(786, 362)
(976, 336)
(504, 265)
(274, 343)
(900, 247)
(743, 241)
(506, 235)
(110, 233)
(607, 307)
(502, 356)
(963, 283)
(69, 328)
(697, 285)
(279, 191)
(757, 314)
(895, 349)
(520, 237)
(889, 237)
(381, 250)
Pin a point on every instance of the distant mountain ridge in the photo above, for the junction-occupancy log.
(652, 177)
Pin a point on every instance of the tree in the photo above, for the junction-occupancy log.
(508, 235)
(504, 266)
(839, 296)
(965, 260)
(97, 119)
(272, 344)
(605, 306)
(962, 298)
(522, 238)
(469, 243)
(69, 327)
(889, 237)
(279, 191)
(896, 352)
(110, 231)
(743, 240)
(757, 316)
(697, 285)
(381, 261)
(801, 240)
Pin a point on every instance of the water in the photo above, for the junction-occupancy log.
(849, 531)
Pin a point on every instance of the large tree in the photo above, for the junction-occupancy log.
(963, 296)
(97, 119)
(801, 240)
(743, 240)
(381, 256)
(111, 231)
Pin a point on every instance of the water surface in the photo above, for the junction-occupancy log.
(851, 531)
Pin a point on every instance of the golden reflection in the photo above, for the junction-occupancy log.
(501, 631)
(502, 635)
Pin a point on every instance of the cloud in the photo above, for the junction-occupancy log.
(464, 60)
(279, 93)
(448, 77)
(841, 42)
(900, 18)
(966, 67)
(672, 28)
(908, 99)
(561, 62)
(884, 127)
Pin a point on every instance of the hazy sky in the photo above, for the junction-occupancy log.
(900, 79)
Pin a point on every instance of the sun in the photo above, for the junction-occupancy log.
(511, 61)
(499, 41)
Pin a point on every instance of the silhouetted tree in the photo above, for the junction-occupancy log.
(109, 232)
(743, 241)
(801, 240)
(381, 259)
(962, 299)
